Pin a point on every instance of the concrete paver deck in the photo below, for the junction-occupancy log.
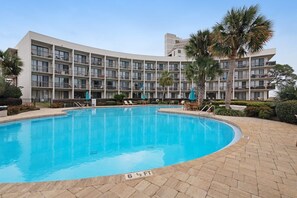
(262, 164)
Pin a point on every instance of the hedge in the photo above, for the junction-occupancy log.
(286, 111)
(228, 112)
(10, 101)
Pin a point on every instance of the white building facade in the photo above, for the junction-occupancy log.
(57, 69)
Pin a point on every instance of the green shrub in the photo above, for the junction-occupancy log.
(288, 92)
(265, 113)
(10, 101)
(228, 112)
(286, 111)
(119, 97)
(110, 102)
(251, 111)
(12, 91)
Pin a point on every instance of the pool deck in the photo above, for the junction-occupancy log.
(261, 164)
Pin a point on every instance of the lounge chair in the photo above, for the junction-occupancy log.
(125, 102)
(130, 102)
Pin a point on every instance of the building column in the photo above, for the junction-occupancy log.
(54, 73)
(219, 83)
(90, 75)
(156, 79)
(143, 87)
(131, 79)
(167, 87)
(180, 74)
(104, 92)
(72, 94)
(249, 75)
(119, 65)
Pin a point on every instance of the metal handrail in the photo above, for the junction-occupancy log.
(209, 107)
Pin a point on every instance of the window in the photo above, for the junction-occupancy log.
(62, 55)
(80, 71)
(161, 66)
(40, 66)
(40, 81)
(96, 61)
(62, 69)
(137, 65)
(124, 64)
(80, 83)
(257, 62)
(40, 51)
(179, 51)
(78, 58)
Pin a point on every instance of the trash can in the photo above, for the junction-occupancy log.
(3, 111)
(93, 102)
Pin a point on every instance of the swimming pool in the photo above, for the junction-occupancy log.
(105, 141)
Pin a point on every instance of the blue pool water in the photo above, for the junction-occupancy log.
(105, 141)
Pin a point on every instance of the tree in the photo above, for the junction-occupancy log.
(283, 75)
(241, 31)
(2, 86)
(288, 92)
(10, 64)
(203, 66)
(165, 81)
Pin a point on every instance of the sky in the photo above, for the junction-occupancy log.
(139, 26)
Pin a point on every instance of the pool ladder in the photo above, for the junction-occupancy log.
(209, 107)
(77, 104)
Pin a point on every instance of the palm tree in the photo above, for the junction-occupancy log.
(203, 66)
(165, 81)
(10, 64)
(241, 31)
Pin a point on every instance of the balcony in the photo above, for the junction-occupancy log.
(97, 75)
(240, 87)
(270, 63)
(150, 69)
(63, 71)
(108, 65)
(97, 63)
(137, 78)
(126, 88)
(80, 86)
(62, 85)
(125, 77)
(174, 89)
(261, 76)
(42, 69)
(112, 76)
(63, 58)
(42, 84)
(111, 87)
(97, 87)
(48, 55)
(125, 67)
(82, 74)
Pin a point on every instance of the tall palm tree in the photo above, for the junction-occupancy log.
(10, 64)
(241, 31)
(165, 81)
(203, 66)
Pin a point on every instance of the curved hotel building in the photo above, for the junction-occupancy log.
(57, 69)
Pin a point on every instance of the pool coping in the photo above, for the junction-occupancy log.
(164, 172)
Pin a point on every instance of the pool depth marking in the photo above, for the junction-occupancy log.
(139, 174)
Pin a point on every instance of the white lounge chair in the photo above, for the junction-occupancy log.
(130, 102)
(125, 102)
